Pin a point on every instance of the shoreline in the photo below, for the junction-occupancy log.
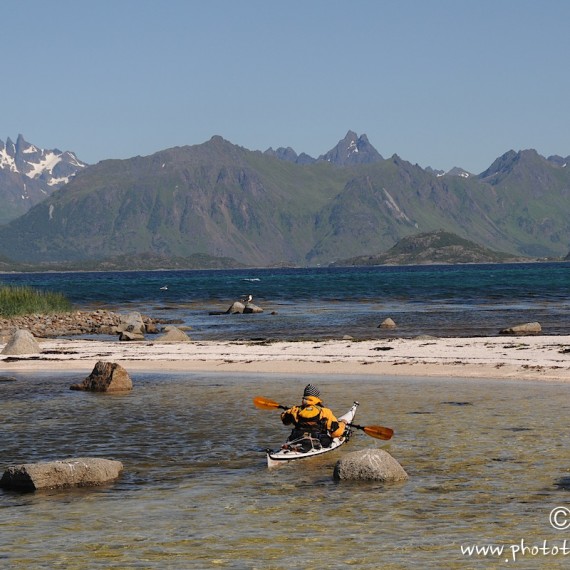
(530, 358)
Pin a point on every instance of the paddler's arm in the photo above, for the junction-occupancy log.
(288, 416)
(336, 427)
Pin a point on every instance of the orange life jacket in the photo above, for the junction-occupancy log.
(314, 417)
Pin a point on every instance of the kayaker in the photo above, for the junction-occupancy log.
(312, 419)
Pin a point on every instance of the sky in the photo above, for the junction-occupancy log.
(441, 83)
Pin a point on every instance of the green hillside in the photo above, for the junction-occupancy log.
(220, 200)
(433, 247)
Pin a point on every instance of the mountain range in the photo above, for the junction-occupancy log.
(277, 208)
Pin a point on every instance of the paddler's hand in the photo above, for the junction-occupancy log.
(287, 418)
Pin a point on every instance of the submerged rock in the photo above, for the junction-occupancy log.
(79, 472)
(369, 465)
(525, 328)
(251, 308)
(7, 379)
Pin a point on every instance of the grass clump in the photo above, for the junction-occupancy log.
(17, 301)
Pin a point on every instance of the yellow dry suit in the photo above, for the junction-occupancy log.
(314, 419)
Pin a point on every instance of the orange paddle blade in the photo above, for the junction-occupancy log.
(266, 404)
(378, 432)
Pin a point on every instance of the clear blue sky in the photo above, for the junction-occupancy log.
(441, 83)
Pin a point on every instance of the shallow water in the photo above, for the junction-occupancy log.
(487, 460)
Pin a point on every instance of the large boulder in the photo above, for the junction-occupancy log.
(131, 323)
(251, 308)
(369, 465)
(106, 377)
(525, 328)
(173, 334)
(22, 342)
(80, 472)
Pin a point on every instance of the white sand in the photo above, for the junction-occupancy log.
(537, 358)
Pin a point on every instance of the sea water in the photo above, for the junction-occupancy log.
(487, 464)
(441, 300)
(487, 460)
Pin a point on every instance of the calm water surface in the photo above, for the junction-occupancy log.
(487, 461)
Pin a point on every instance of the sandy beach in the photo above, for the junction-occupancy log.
(533, 358)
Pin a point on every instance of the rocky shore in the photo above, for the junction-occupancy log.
(75, 323)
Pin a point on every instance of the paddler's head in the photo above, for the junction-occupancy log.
(311, 390)
(311, 395)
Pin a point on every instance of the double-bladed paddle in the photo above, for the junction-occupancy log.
(378, 432)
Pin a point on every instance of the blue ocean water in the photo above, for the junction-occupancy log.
(440, 300)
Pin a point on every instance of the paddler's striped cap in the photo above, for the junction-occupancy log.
(311, 390)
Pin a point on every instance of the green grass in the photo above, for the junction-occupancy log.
(17, 301)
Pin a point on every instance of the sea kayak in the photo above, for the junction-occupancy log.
(291, 450)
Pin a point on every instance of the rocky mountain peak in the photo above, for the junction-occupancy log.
(29, 173)
(352, 149)
(53, 167)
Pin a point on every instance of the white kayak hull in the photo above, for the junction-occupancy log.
(287, 453)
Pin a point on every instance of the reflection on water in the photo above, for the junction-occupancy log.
(487, 461)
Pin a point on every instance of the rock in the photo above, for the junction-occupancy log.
(387, 324)
(236, 308)
(526, 328)
(369, 465)
(106, 377)
(150, 327)
(132, 323)
(131, 336)
(22, 342)
(173, 334)
(80, 472)
(251, 308)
